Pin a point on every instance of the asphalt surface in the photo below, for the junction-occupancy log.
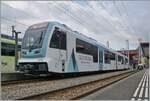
(134, 87)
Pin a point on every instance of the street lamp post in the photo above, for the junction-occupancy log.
(16, 45)
(128, 52)
(139, 41)
(108, 44)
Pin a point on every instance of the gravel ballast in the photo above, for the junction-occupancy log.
(22, 90)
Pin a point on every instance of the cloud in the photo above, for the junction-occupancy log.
(97, 19)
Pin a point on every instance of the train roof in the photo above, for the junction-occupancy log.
(93, 41)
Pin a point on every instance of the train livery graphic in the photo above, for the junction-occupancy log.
(53, 47)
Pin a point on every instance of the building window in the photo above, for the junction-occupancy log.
(8, 49)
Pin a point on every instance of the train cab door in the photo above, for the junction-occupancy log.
(58, 51)
(100, 59)
(63, 50)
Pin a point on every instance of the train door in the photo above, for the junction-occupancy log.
(72, 63)
(100, 59)
(58, 50)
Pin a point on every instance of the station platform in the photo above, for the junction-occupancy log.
(134, 87)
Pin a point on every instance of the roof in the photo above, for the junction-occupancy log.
(145, 48)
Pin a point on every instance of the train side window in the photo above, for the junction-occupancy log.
(107, 57)
(112, 56)
(95, 53)
(8, 49)
(120, 58)
(87, 48)
(58, 39)
(123, 61)
(126, 60)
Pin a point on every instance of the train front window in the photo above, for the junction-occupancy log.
(33, 38)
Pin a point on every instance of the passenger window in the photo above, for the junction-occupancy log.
(87, 48)
(120, 58)
(58, 39)
(107, 57)
(112, 56)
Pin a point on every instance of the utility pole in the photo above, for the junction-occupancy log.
(139, 42)
(128, 51)
(108, 44)
(15, 33)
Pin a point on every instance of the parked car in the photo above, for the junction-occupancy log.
(140, 66)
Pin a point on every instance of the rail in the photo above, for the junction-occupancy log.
(47, 89)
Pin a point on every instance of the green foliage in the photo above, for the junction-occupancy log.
(7, 64)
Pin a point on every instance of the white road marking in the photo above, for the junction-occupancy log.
(142, 88)
(137, 89)
(146, 91)
(133, 99)
(145, 99)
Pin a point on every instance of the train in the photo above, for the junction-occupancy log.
(52, 47)
(8, 53)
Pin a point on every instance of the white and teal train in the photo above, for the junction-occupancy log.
(53, 47)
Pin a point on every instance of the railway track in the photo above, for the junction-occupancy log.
(30, 79)
(70, 88)
(13, 82)
(78, 91)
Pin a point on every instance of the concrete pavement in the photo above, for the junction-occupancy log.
(134, 87)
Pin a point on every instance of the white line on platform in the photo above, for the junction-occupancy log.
(147, 80)
(146, 93)
(145, 99)
(137, 89)
(142, 88)
(146, 90)
(133, 99)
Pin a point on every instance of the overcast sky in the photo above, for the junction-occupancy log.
(113, 21)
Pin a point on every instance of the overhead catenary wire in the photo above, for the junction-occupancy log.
(82, 22)
(69, 15)
(4, 18)
(107, 21)
(123, 24)
(103, 6)
(127, 14)
(90, 16)
(84, 25)
(74, 17)
(110, 23)
(127, 26)
(6, 27)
